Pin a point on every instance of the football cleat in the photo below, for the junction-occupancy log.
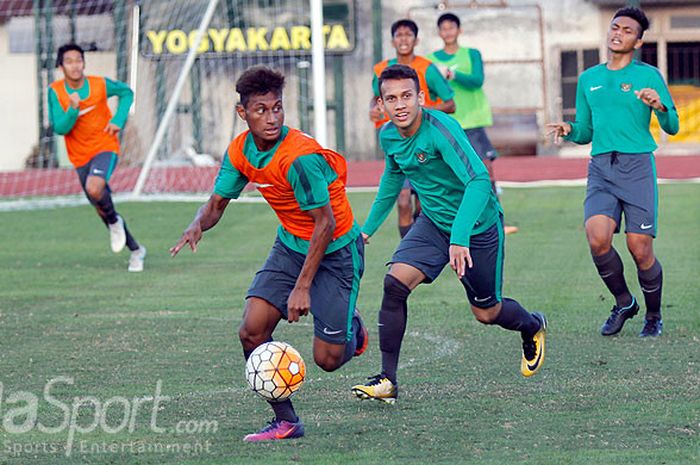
(617, 318)
(136, 259)
(533, 349)
(276, 430)
(362, 337)
(652, 328)
(379, 387)
(117, 235)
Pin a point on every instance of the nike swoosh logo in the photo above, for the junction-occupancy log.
(476, 299)
(263, 186)
(286, 433)
(593, 89)
(646, 226)
(97, 171)
(330, 333)
(86, 110)
(532, 367)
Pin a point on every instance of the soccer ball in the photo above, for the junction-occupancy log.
(275, 371)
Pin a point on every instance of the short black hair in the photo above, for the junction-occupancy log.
(449, 17)
(68, 48)
(396, 72)
(259, 80)
(409, 23)
(637, 15)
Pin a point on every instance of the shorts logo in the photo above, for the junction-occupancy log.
(476, 299)
(97, 171)
(625, 87)
(646, 226)
(421, 157)
(331, 333)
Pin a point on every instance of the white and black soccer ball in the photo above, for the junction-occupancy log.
(275, 371)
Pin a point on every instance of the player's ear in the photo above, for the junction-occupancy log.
(241, 111)
(380, 104)
(638, 44)
(421, 98)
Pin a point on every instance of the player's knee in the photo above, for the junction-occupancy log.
(395, 288)
(250, 339)
(598, 245)
(94, 191)
(328, 361)
(643, 254)
(486, 316)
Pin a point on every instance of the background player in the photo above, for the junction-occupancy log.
(614, 101)
(78, 110)
(461, 223)
(318, 257)
(464, 71)
(438, 95)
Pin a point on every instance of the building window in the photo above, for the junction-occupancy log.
(573, 63)
(683, 63)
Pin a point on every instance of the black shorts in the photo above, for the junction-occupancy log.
(427, 248)
(481, 143)
(101, 165)
(623, 183)
(333, 292)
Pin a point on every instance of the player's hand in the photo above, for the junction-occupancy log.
(559, 130)
(298, 304)
(459, 255)
(650, 97)
(74, 100)
(191, 236)
(376, 114)
(365, 238)
(112, 129)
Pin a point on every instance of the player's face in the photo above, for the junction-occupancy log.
(449, 32)
(623, 35)
(265, 117)
(404, 41)
(73, 65)
(402, 102)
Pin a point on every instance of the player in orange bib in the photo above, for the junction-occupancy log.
(317, 260)
(78, 110)
(438, 95)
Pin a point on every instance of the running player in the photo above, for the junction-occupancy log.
(461, 224)
(78, 110)
(318, 257)
(614, 102)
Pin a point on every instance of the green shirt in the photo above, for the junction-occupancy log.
(451, 181)
(437, 84)
(63, 121)
(609, 114)
(473, 109)
(313, 193)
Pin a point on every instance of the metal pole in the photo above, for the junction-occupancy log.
(172, 104)
(73, 20)
(318, 66)
(196, 104)
(377, 32)
(50, 64)
(120, 35)
(134, 59)
(339, 97)
(38, 51)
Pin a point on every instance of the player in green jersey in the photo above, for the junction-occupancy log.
(464, 71)
(461, 223)
(614, 102)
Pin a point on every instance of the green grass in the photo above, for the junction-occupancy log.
(69, 308)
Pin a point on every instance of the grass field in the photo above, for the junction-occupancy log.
(69, 308)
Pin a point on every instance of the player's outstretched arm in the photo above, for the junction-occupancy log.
(206, 218)
(299, 302)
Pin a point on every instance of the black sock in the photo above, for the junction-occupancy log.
(403, 230)
(130, 241)
(611, 271)
(515, 318)
(105, 207)
(392, 324)
(651, 282)
(284, 411)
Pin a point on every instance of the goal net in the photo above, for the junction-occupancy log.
(146, 44)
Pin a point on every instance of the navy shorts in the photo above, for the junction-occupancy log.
(333, 291)
(623, 183)
(427, 248)
(101, 165)
(481, 143)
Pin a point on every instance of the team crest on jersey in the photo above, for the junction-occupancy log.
(421, 157)
(625, 87)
